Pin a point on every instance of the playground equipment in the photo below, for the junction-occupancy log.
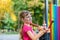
(54, 14)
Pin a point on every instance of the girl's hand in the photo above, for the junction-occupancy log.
(44, 31)
(40, 28)
(43, 28)
(48, 30)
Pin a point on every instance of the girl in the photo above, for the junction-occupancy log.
(26, 31)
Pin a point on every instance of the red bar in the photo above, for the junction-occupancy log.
(59, 23)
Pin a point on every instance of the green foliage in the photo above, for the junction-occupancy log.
(37, 11)
(7, 23)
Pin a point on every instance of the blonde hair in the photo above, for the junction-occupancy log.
(22, 15)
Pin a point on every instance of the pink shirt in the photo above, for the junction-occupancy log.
(24, 32)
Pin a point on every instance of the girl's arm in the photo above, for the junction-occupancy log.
(34, 33)
(36, 25)
(35, 37)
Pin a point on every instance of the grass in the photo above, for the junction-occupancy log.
(10, 33)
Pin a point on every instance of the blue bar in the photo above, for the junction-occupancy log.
(55, 11)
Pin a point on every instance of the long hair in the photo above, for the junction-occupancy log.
(22, 15)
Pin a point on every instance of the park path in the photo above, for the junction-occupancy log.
(9, 36)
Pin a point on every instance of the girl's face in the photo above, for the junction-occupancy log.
(28, 18)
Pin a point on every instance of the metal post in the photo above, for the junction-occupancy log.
(46, 19)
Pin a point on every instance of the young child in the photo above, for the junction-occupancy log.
(26, 31)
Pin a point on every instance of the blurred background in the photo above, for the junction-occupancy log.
(9, 13)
